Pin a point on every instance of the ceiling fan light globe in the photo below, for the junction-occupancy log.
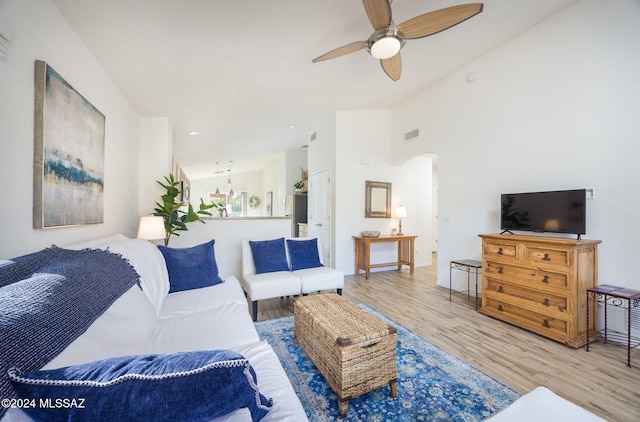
(385, 48)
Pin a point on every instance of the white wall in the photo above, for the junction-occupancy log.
(434, 204)
(296, 159)
(252, 183)
(364, 152)
(555, 108)
(229, 234)
(156, 145)
(40, 33)
(274, 181)
(322, 157)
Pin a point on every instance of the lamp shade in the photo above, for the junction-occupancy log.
(401, 211)
(151, 228)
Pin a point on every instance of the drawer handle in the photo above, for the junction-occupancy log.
(545, 323)
(500, 308)
(545, 279)
(370, 345)
(500, 270)
(545, 302)
(546, 257)
(500, 290)
(499, 251)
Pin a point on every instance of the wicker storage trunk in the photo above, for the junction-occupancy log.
(354, 351)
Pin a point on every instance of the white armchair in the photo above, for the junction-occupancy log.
(304, 280)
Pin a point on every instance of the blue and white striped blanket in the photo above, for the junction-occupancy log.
(49, 298)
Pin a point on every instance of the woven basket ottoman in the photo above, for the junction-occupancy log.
(352, 349)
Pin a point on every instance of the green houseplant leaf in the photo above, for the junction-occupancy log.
(172, 210)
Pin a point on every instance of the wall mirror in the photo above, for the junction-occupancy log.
(377, 200)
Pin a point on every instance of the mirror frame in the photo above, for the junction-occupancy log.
(376, 212)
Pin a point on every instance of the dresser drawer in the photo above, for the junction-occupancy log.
(539, 283)
(538, 278)
(534, 321)
(501, 249)
(544, 302)
(547, 256)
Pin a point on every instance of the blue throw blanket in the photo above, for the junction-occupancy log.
(49, 298)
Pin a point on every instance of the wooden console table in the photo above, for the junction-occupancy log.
(363, 252)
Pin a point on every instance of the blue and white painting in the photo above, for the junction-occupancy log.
(71, 164)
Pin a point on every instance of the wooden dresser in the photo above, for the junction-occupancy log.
(540, 283)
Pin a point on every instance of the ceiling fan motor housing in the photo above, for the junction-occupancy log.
(385, 43)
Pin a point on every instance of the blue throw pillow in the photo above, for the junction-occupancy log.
(303, 254)
(269, 255)
(191, 268)
(188, 386)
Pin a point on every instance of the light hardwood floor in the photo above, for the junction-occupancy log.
(598, 380)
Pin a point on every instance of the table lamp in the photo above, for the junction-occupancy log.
(401, 212)
(151, 228)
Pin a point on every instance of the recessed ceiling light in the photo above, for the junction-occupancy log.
(291, 126)
(194, 132)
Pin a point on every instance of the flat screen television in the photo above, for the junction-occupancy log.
(554, 212)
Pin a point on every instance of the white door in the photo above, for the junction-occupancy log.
(320, 212)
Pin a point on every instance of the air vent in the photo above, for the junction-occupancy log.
(313, 136)
(412, 135)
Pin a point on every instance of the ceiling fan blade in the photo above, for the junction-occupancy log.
(433, 22)
(392, 66)
(378, 12)
(341, 51)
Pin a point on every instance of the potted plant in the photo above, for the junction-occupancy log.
(298, 185)
(171, 210)
(220, 206)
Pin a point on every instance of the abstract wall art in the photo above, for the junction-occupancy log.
(68, 170)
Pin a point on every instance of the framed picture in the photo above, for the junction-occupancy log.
(377, 199)
(68, 170)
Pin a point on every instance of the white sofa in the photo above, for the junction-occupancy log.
(286, 283)
(153, 321)
(542, 404)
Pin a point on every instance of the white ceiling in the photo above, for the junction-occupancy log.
(240, 71)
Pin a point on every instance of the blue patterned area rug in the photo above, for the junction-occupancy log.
(433, 385)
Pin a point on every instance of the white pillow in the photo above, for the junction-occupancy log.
(148, 261)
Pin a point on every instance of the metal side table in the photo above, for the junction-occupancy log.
(619, 297)
(469, 266)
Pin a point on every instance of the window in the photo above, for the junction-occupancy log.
(235, 205)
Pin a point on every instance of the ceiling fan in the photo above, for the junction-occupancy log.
(387, 38)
